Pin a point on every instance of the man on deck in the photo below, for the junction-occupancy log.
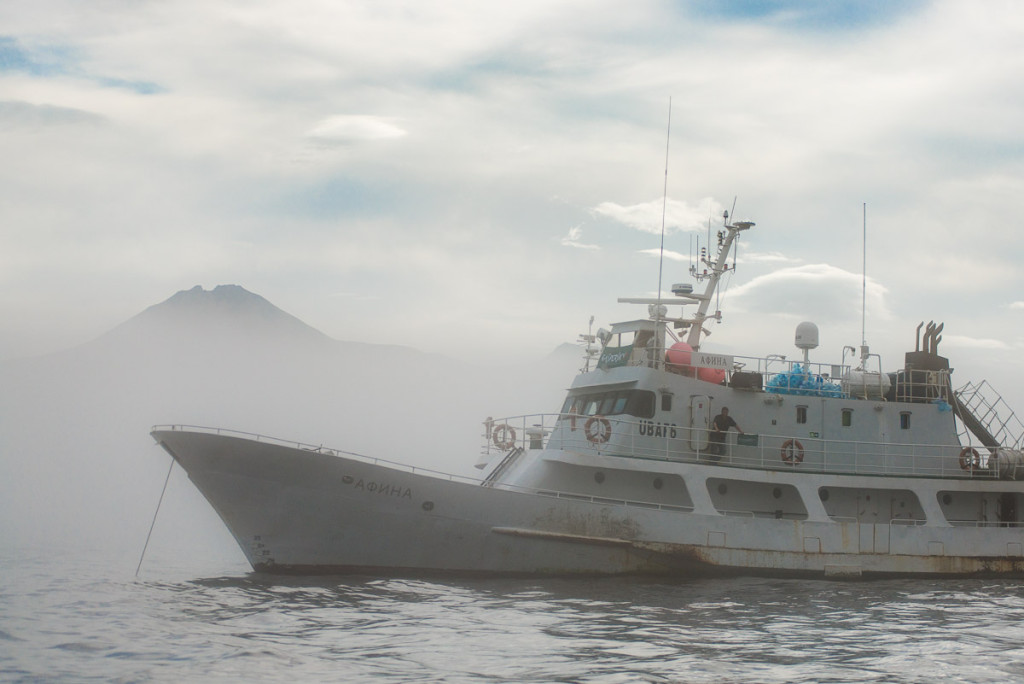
(720, 425)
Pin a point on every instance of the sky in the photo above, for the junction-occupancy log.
(479, 179)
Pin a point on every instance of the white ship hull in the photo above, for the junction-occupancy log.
(298, 510)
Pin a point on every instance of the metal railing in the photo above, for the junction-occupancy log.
(984, 523)
(321, 449)
(993, 413)
(645, 439)
(780, 375)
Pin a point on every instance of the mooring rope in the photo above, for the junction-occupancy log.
(155, 513)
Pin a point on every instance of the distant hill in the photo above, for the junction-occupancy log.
(221, 304)
(77, 465)
(204, 316)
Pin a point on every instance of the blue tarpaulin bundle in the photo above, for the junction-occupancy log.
(798, 381)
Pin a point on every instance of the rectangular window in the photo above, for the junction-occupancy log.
(801, 414)
(847, 417)
(904, 420)
(666, 402)
(638, 403)
(641, 404)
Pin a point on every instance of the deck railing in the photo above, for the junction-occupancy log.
(321, 449)
(779, 375)
(764, 451)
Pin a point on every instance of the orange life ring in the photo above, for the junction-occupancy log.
(792, 451)
(599, 434)
(970, 458)
(504, 436)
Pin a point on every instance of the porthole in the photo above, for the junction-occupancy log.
(777, 493)
(722, 489)
(947, 499)
(428, 505)
(824, 495)
(598, 477)
(658, 483)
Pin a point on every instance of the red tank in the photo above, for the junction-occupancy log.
(677, 359)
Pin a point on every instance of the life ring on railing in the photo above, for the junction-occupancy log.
(504, 436)
(792, 451)
(598, 430)
(970, 458)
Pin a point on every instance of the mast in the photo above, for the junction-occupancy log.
(658, 307)
(718, 268)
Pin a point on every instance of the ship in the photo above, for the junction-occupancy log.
(666, 459)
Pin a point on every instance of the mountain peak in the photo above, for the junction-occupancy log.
(226, 310)
(227, 299)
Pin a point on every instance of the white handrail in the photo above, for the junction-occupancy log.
(818, 455)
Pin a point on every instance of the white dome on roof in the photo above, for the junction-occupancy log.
(807, 335)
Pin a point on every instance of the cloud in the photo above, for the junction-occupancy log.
(57, 60)
(841, 15)
(25, 114)
(1017, 306)
(980, 343)
(44, 60)
(668, 253)
(265, 157)
(347, 128)
(647, 216)
(813, 292)
(764, 257)
(573, 239)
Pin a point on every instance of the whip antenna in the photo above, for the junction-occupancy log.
(864, 278)
(664, 198)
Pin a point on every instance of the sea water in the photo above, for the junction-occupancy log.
(69, 618)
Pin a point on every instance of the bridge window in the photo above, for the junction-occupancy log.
(637, 403)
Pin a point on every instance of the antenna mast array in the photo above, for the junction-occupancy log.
(712, 272)
(713, 269)
(664, 197)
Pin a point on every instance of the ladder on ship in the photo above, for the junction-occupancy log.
(984, 413)
(506, 462)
